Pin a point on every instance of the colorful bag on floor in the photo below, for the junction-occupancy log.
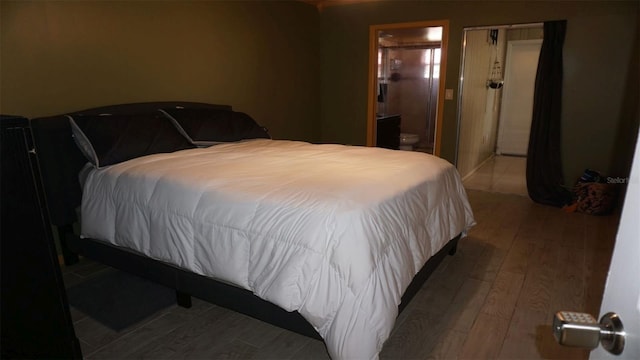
(593, 195)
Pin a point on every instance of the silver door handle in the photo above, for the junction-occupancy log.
(582, 330)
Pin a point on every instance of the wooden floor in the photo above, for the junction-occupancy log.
(494, 299)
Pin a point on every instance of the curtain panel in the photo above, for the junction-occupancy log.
(545, 179)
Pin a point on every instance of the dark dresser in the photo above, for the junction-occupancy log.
(36, 321)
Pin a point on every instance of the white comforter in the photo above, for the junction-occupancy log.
(335, 232)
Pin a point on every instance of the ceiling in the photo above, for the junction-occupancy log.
(324, 3)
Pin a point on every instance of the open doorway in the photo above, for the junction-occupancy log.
(407, 65)
(499, 65)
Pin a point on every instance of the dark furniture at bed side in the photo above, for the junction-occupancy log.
(36, 320)
(61, 163)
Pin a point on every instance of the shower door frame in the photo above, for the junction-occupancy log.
(373, 76)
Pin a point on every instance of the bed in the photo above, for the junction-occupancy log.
(327, 240)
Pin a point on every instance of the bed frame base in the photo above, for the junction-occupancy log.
(450, 248)
(189, 284)
(183, 299)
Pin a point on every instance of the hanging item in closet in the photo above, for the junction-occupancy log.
(495, 70)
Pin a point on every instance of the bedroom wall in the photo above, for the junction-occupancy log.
(600, 80)
(260, 57)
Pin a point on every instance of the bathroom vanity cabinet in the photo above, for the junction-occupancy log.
(388, 132)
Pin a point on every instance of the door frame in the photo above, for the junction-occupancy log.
(373, 76)
(463, 64)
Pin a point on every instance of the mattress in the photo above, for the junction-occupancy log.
(335, 232)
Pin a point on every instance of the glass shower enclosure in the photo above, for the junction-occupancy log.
(408, 83)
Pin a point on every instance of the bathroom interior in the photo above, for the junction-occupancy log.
(407, 88)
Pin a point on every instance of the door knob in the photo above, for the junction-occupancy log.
(582, 330)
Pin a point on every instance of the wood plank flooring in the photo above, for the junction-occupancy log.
(494, 299)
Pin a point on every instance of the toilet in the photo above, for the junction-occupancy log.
(408, 140)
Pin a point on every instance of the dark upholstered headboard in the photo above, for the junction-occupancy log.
(60, 159)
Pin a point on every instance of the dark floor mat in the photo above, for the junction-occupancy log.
(119, 300)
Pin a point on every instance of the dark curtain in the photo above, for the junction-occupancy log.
(544, 163)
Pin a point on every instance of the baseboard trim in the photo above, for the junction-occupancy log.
(464, 178)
